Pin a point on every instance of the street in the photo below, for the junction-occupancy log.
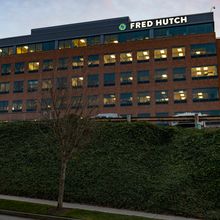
(7, 217)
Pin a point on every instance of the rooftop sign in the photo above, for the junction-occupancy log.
(154, 23)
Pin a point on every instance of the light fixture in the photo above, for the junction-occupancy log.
(112, 56)
(205, 68)
(82, 40)
(115, 41)
(128, 54)
(81, 78)
(164, 56)
(162, 51)
(145, 53)
(179, 49)
(198, 52)
(181, 54)
(198, 68)
(164, 76)
(200, 93)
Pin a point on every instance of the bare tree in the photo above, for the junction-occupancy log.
(71, 124)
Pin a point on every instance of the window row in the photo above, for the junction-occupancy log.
(125, 99)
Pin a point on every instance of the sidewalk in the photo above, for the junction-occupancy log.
(97, 208)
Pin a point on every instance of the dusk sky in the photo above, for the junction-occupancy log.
(18, 17)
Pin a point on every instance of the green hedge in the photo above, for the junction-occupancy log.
(128, 165)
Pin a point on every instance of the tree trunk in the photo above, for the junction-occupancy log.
(62, 183)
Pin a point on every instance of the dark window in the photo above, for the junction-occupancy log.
(18, 86)
(34, 47)
(126, 99)
(31, 105)
(76, 101)
(162, 114)
(77, 62)
(143, 76)
(126, 78)
(93, 101)
(161, 75)
(200, 28)
(4, 87)
(62, 64)
(62, 44)
(48, 46)
(6, 69)
(61, 83)
(93, 60)
(203, 50)
(46, 103)
(205, 94)
(161, 97)
(3, 106)
(109, 79)
(179, 74)
(143, 98)
(109, 100)
(47, 65)
(133, 36)
(16, 106)
(93, 80)
(143, 115)
(19, 67)
(32, 85)
(93, 40)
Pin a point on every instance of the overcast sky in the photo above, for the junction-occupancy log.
(18, 17)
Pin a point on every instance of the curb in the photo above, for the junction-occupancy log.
(33, 216)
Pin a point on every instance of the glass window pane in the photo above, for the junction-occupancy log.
(161, 75)
(47, 65)
(109, 100)
(109, 79)
(179, 74)
(33, 66)
(126, 57)
(4, 87)
(161, 97)
(79, 42)
(18, 86)
(46, 84)
(109, 39)
(19, 67)
(180, 96)
(93, 80)
(205, 94)
(16, 106)
(109, 59)
(93, 60)
(31, 105)
(32, 85)
(77, 62)
(178, 52)
(160, 54)
(93, 101)
(143, 76)
(126, 99)
(126, 78)
(91, 41)
(143, 56)
(63, 63)
(203, 50)
(3, 106)
(6, 69)
(143, 98)
(202, 72)
(77, 82)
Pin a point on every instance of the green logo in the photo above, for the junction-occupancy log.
(122, 27)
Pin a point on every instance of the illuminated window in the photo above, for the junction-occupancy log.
(109, 59)
(77, 82)
(111, 39)
(204, 72)
(143, 98)
(126, 78)
(161, 97)
(4, 87)
(46, 84)
(178, 52)
(6, 51)
(16, 106)
(3, 106)
(203, 50)
(93, 60)
(126, 99)
(143, 76)
(32, 85)
(6, 69)
(179, 74)
(126, 57)
(46, 103)
(93, 80)
(33, 66)
(143, 56)
(109, 79)
(205, 94)
(62, 63)
(19, 67)
(47, 65)
(22, 49)
(79, 42)
(161, 75)
(18, 86)
(31, 105)
(160, 54)
(180, 96)
(93, 101)
(109, 100)
(77, 62)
